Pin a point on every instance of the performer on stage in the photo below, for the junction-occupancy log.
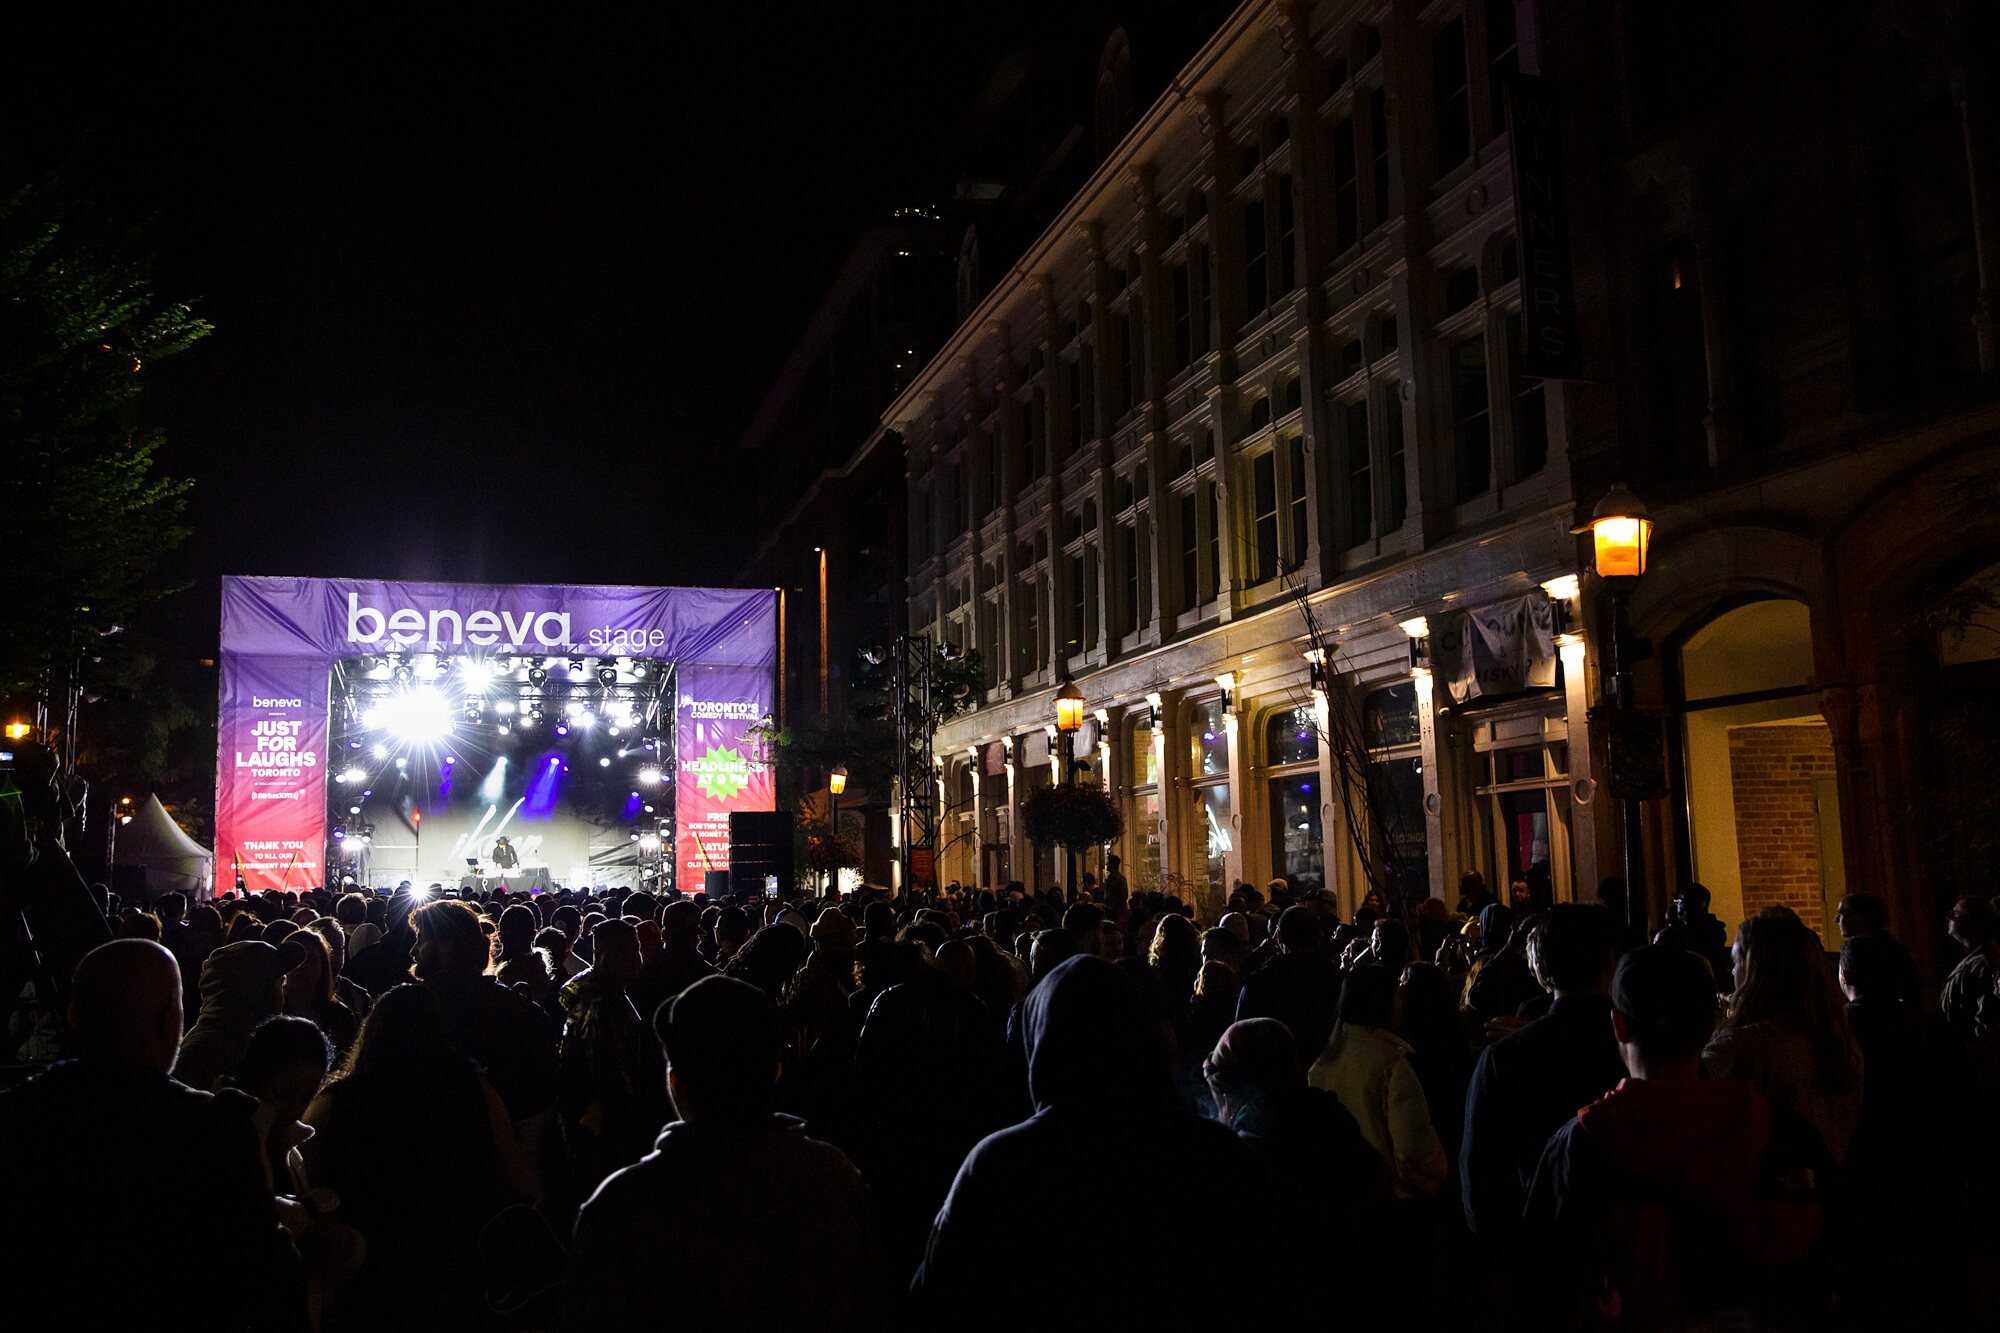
(504, 855)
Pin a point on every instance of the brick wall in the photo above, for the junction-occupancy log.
(1771, 771)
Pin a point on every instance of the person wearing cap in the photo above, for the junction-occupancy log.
(242, 984)
(1672, 1197)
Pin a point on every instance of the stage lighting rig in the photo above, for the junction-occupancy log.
(607, 675)
(538, 675)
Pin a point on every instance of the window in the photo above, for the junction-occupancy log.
(1190, 554)
(1184, 460)
(1360, 487)
(1264, 516)
(1205, 306)
(1378, 149)
(1074, 370)
(1288, 260)
(1336, 74)
(1502, 57)
(1388, 334)
(996, 479)
(1472, 430)
(1396, 781)
(1461, 289)
(1208, 740)
(1260, 414)
(1290, 737)
(1293, 395)
(924, 522)
(1371, 42)
(1256, 291)
(1205, 446)
(1392, 456)
(1680, 363)
(1127, 391)
(1183, 320)
(1214, 588)
(1346, 187)
(1138, 587)
(1531, 414)
(1451, 99)
(1031, 456)
(1295, 456)
(1079, 607)
(1350, 358)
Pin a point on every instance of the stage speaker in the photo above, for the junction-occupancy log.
(760, 846)
(715, 883)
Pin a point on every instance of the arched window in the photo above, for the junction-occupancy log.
(1291, 736)
(1260, 414)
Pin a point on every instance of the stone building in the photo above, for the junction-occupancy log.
(1267, 372)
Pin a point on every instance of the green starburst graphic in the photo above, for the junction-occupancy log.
(721, 773)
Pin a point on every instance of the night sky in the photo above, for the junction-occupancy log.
(493, 301)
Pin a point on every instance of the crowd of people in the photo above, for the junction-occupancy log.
(613, 1110)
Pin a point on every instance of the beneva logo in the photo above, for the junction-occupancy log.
(407, 625)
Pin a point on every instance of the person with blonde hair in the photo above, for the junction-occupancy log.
(1786, 1033)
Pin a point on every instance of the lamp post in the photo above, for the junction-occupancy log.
(1069, 716)
(836, 783)
(1621, 531)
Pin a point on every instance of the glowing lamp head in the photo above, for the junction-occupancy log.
(1621, 530)
(18, 731)
(1069, 706)
(836, 781)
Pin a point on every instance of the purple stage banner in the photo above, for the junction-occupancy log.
(281, 637)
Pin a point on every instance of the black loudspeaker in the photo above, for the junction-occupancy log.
(715, 883)
(760, 846)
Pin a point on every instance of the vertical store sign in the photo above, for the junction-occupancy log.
(720, 765)
(1551, 347)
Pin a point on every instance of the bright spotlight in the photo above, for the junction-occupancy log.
(604, 763)
(572, 708)
(418, 714)
(402, 762)
(649, 775)
(586, 719)
(614, 731)
(381, 750)
(354, 775)
(562, 728)
(504, 707)
(353, 809)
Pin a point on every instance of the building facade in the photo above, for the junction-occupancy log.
(1261, 390)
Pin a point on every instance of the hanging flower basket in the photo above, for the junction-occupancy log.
(1072, 815)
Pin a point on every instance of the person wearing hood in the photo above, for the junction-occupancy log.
(1335, 1182)
(730, 1177)
(1672, 1197)
(1300, 987)
(1501, 981)
(1098, 1174)
(242, 984)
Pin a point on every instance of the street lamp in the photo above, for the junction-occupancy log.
(1621, 532)
(836, 783)
(1069, 716)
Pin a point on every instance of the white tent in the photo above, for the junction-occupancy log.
(174, 862)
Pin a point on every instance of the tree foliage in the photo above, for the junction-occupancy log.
(79, 326)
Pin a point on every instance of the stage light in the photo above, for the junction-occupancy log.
(572, 708)
(505, 729)
(336, 833)
(650, 842)
(649, 809)
(450, 759)
(401, 673)
(604, 763)
(354, 745)
(402, 762)
(535, 710)
(504, 707)
(614, 732)
(607, 676)
(354, 775)
(639, 670)
(562, 728)
(649, 775)
(371, 718)
(417, 715)
(353, 809)
(538, 676)
(17, 731)
(381, 750)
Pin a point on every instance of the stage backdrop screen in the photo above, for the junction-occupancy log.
(281, 637)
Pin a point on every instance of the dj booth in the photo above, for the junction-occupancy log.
(533, 878)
